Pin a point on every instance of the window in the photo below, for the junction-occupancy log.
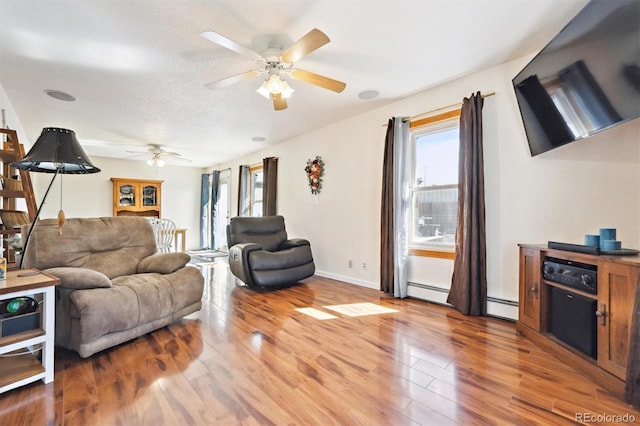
(255, 194)
(434, 182)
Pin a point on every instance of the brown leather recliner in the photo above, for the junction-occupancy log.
(261, 255)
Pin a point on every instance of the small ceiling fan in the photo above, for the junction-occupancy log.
(274, 62)
(156, 154)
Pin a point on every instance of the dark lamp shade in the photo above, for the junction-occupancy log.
(56, 150)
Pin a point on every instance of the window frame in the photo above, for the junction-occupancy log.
(432, 124)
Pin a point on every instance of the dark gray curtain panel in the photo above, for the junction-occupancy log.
(387, 229)
(632, 390)
(270, 186)
(468, 292)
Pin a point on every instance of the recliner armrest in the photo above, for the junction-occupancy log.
(294, 242)
(79, 278)
(239, 260)
(163, 263)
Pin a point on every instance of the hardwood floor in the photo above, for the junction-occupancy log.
(250, 358)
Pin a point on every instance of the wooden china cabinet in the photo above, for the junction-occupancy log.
(136, 197)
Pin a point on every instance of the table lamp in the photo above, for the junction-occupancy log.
(56, 151)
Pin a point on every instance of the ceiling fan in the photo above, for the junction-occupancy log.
(156, 154)
(274, 62)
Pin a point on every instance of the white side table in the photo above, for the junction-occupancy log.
(20, 370)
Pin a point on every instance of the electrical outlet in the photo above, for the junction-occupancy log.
(350, 263)
(364, 265)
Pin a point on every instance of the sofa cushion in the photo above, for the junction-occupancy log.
(111, 245)
(163, 263)
(79, 278)
(135, 300)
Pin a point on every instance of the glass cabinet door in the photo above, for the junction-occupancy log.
(126, 195)
(149, 195)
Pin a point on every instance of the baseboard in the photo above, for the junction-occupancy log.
(498, 308)
(350, 280)
(502, 308)
(428, 292)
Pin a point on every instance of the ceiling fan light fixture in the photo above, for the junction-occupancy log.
(286, 90)
(274, 85)
(275, 61)
(155, 161)
(264, 90)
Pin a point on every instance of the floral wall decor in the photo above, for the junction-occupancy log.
(315, 171)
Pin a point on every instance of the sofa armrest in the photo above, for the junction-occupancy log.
(163, 263)
(79, 278)
(239, 260)
(294, 242)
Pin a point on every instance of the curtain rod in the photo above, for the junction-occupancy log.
(445, 107)
(440, 109)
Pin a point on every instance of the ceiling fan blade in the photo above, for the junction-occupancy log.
(233, 79)
(146, 154)
(186, 160)
(319, 80)
(174, 156)
(231, 45)
(279, 103)
(313, 40)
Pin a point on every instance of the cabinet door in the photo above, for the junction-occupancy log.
(150, 194)
(616, 290)
(530, 288)
(126, 195)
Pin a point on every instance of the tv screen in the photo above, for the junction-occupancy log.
(586, 79)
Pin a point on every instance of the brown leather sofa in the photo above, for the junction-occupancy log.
(115, 286)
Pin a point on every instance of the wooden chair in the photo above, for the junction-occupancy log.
(164, 231)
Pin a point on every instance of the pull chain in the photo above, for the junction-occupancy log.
(61, 212)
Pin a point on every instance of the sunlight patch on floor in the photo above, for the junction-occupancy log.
(349, 310)
(316, 313)
(360, 309)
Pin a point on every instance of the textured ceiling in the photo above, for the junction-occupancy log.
(138, 68)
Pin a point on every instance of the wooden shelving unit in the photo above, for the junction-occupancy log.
(17, 366)
(12, 150)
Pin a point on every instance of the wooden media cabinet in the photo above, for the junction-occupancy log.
(617, 279)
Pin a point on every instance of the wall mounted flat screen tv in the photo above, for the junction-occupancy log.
(586, 79)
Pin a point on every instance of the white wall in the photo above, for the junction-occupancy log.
(13, 122)
(343, 221)
(92, 195)
(560, 195)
